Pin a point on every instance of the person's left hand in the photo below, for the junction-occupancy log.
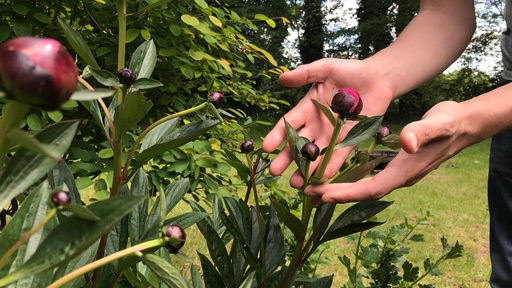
(426, 144)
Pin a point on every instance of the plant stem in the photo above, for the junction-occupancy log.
(121, 44)
(14, 112)
(151, 127)
(330, 149)
(27, 235)
(134, 250)
(259, 218)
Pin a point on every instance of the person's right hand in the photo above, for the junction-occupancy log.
(326, 75)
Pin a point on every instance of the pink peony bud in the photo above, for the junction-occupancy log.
(347, 103)
(216, 98)
(37, 71)
(174, 231)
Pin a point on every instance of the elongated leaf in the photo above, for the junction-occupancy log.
(197, 280)
(156, 134)
(146, 83)
(34, 208)
(133, 109)
(363, 130)
(187, 219)
(88, 95)
(275, 250)
(218, 253)
(139, 217)
(175, 139)
(326, 111)
(143, 60)
(26, 167)
(296, 143)
(27, 140)
(78, 43)
(350, 229)
(73, 236)
(81, 211)
(211, 276)
(105, 78)
(358, 172)
(353, 215)
(321, 220)
(61, 176)
(290, 221)
(169, 274)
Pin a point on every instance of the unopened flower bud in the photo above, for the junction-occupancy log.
(216, 98)
(126, 76)
(247, 147)
(61, 198)
(347, 103)
(37, 71)
(174, 231)
(310, 151)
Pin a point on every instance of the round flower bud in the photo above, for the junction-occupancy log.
(247, 147)
(382, 131)
(310, 151)
(347, 103)
(216, 98)
(126, 76)
(61, 198)
(174, 231)
(37, 71)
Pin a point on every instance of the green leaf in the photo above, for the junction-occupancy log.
(88, 95)
(143, 60)
(158, 133)
(73, 236)
(175, 139)
(79, 45)
(56, 115)
(275, 249)
(33, 210)
(269, 21)
(146, 83)
(358, 172)
(350, 221)
(296, 143)
(324, 282)
(61, 176)
(188, 219)
(326, 111)
(189, 20)
(43, 18)
(133, 109)
(411, 273)
(211, 276)
(166, 272)
(26, 167)
(27, 140)
(197, 280)
(106, 78)
(82, 212)
(289, 220)
(363, 130)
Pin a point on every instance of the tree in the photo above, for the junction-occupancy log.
(311, 44)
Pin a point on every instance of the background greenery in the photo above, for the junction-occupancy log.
(239, 48)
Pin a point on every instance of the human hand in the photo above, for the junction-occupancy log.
(327, 75)
(426, 144)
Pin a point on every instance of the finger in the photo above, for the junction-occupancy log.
(420, 133)
(281, 162)
(316, 71)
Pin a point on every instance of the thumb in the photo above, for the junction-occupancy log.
(417, 134)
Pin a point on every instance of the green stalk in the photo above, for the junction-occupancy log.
(330, 149)
(260, 220)
(134, 250)
(25, 237)
(121, 44)
(14, 113)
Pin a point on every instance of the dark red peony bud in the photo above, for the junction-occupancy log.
(61, 198)
(382, 132)
(37, 71)
(174, 231)
(126, 76)
(347, 103)
(310, 151)
(247, 147)
(216, 98)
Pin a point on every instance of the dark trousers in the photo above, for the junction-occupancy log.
(500, 209)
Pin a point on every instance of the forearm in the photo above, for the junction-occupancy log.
(433, 40)
(488, 114)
